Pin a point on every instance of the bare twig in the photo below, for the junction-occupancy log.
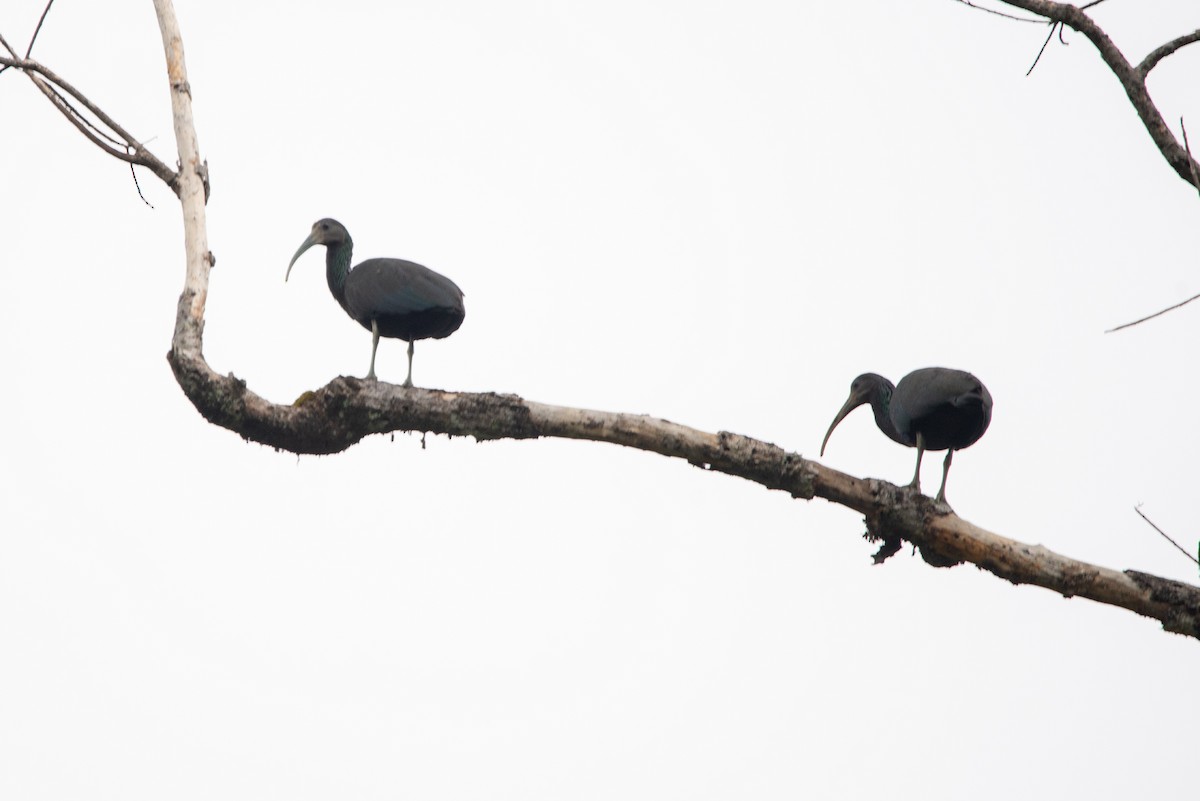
(1053, 26)
(1159, 53)
(64, 105)
(139, 187)
(1188, 149)
(1152, 316)
(1182, 550)
(4, 64)
(999, 13)
(38, 29)
(1195, 180)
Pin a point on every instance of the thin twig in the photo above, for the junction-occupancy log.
(4, 64)
(1188, 149)
(1053, 26)
(84, 126)
(38, 29)
(63, 103)
(1152, 316)
(138, 186)
(1000, 13)
(1159, 53)
(1086, 6)
(1182, 550)
(31, 66)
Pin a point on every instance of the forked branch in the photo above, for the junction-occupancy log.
(120, 144)
(1133, 79)
(1159, 53)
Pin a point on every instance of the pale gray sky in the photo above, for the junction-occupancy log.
(715, 214)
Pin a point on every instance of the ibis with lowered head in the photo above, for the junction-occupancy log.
(931, 409)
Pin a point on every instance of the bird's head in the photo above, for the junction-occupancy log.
(330, 233)
(862, 390)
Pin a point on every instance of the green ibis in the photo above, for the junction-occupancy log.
(931, 409)
(389, 297)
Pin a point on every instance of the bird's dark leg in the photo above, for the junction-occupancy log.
(941, 496)
(374, 347)
(916, 482)
(408, 381)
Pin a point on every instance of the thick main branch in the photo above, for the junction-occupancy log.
(346, 410)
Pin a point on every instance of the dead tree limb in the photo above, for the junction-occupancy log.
(1133, 79)
(1159, 53)
(122, 145)
(346, 410)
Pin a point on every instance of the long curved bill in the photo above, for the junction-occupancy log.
(308, 243)
(852, 403)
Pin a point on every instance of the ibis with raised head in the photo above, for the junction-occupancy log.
(389, 297)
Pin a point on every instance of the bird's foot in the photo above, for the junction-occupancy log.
(941, 501)
(407, 383)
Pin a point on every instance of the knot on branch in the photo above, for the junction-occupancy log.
(904, 514)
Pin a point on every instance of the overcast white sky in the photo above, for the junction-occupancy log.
(714, 213)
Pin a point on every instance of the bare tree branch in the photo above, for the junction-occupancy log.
(1152, 316)
(192, 189)
(1187, 148)
(127, 148)
(348, 409)
(138, 186)
(999, 13)
(1053, 27)
(1132, 79)
(1164, 534)
(6, 63)
(1159, 53)
(38, 29)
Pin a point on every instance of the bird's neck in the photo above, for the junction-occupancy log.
(881, 405)
(337, 267)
